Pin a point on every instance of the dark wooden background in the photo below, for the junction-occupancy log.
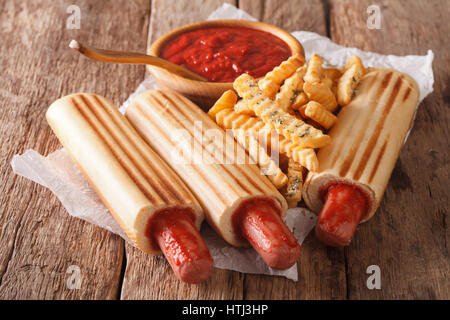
(408, 238)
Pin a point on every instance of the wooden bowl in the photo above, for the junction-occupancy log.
(203, 93)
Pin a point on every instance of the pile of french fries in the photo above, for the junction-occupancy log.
(298, 102)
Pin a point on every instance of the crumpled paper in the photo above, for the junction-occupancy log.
(59, 174)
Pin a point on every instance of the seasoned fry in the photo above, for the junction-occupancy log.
(238, 123)
(332, 73)
(327, 81)
(334, 90)
(301, 71)
(314, 70)
(295, 184)
(269, 111)
(306, 157)
(321, 93)
(258, 154)
(347, 85)
(229, 119)
(356, 61)
(315, 111)
(242, 107)
(270, 84)
(227, 100)
(332, 84)
(299, 98)
(299, 101)
(289, 90)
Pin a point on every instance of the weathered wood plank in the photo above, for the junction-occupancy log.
(321, 269)
(39, 240)
(291, 15)
(152, 278)
(167, 16)
(408, 237)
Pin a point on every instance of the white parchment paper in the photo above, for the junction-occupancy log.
(59, 174)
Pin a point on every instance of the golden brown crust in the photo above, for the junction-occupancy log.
(128, 176)
(220, 185)
(367, 138)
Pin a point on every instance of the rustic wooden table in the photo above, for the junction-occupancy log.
(408, 238)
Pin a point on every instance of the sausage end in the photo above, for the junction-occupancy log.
(344, 208)
(183, 246)
(263, 227)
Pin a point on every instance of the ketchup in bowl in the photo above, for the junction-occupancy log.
(221, 54)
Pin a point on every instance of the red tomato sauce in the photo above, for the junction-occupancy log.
(221, 54)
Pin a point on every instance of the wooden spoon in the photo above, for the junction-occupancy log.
(133, 58)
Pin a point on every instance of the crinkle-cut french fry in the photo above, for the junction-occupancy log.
(258, 154)
(348, 83)
(314, 70)
(302, 110)
(356, 61)
(295, 184)
(315, 111)
(284, 123)
(300, 97)
(306, 157)
(270, 84)
(289, 89)
(301, 71)
(332, 73)
(227, 100)
(229, 119)
(299, 101)
(327, 81)
(330, 84)
(346, 86)
(334, 90)
(321, 93)
(242, 107)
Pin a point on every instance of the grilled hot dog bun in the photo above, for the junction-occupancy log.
(366, 139)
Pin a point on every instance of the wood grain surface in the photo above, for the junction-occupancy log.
(39, 240)
(407, 238)
(321, 269)
(158, 281)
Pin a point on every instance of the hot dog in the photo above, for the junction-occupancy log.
(240, 203)
(356, 167)
(178, 238)
(143, 194)
(340, 215)
(266, 232)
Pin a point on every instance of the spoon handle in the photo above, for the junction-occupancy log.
(111, 56)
